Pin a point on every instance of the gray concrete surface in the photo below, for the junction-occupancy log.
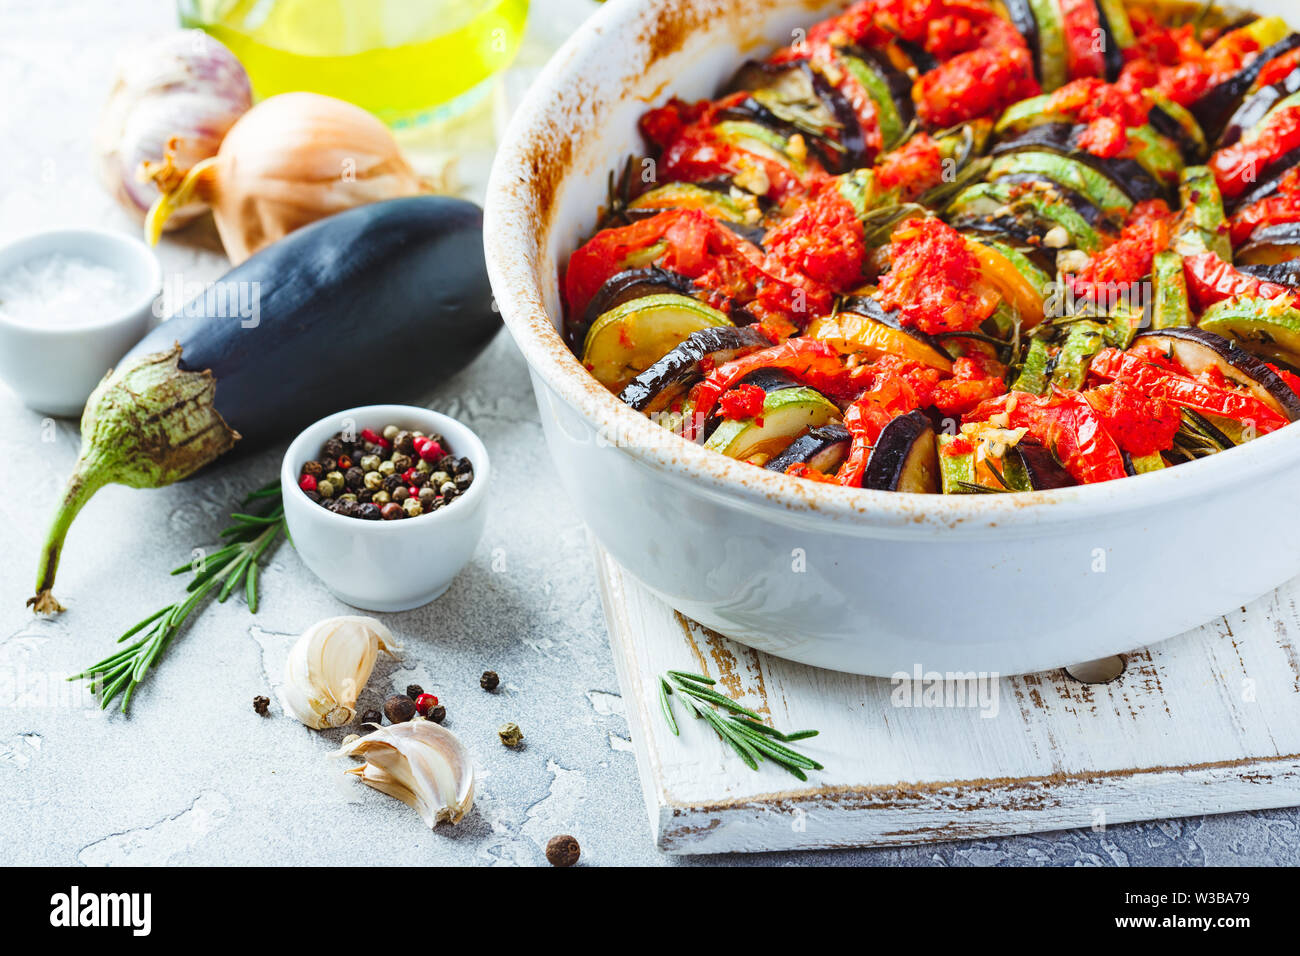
(193, 776)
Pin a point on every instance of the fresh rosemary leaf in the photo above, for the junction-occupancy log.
(740, 728)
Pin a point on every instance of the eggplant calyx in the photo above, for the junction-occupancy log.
(146, 425)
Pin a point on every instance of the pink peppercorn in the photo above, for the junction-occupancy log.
(307, 483)
(431, 451)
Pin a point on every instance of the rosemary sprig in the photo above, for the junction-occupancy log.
(235, 563)
(739, 727)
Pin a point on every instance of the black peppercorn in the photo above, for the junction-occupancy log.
(562, 850)
(446, 463)
(393, 482)
(463, 466)
(313, 495)
(369, 511)
(399, 708)
(392, 511)
(365, 495)
(419, 479)
(438, 714)
(372, 716)
(355, 478)
(414, 690)
(463, 480)
(404, 443)
(402, 462)
(328, 463)
(313, 468)
(333, 447)
(262, 705)
(489, 680)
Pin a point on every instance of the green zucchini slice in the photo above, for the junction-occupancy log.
(787, 414)
(631, 337)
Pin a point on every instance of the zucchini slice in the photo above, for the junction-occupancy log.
(1092, 185)
(757, 139)
(1203, 228)
(889, 88)
(1043, 208)
(629, 338)
(858, 327)
(823, 449)
(1052, 64)
(1170, 306)
(1266, 327)
(740, 208)
(1272, 245)
(655, 389)
(1176, 122)
(1085, 339)
(787, 413)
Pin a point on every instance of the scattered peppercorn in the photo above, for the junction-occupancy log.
(489, 680)
(413, 690)
(510, 733)
(399, 708)
(562, 850)
(424, 703)
(390, 474)
(262, 705)
(372, 716)
(438, 714)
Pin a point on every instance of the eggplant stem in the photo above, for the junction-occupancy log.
(86, 479)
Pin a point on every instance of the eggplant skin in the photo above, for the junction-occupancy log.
(376, 304)
(1268, 182)
(808, 447)
(1282, 273)
(1229, 357)
(681, 366)
(905, 456)
(1215, 107)
(624, 287)
(1128, 174)
(1041, 467)
(1256, 106)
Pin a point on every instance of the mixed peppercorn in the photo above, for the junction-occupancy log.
(390, 474)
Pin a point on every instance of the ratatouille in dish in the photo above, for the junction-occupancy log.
(964, 246)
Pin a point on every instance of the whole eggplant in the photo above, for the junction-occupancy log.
(376, 304)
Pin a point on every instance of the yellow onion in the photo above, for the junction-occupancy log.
(289, 161)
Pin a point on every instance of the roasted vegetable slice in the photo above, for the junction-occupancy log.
(822, 449)
(655, 389)
(905, 457)
(786, 414)
(1264, 327)
(631, 337)
(864, 327)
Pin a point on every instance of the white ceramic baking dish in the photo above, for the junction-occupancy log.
(861, 581)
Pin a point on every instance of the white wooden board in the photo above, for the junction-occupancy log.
(1208, 722)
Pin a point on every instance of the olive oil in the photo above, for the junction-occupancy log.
(410, 62)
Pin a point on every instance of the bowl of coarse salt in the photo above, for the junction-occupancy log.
(72, 302)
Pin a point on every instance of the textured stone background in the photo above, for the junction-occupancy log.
(193, 776)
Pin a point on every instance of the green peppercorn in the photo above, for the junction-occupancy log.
(412, 507)
(325, 488)
(423, 467)
(390, 431)
(392, 511)
(313, 468)
(370, 462)
(511, 735)
(381, 497)
(335, 478)
(439, 478)
(348, 497)
(387, 468)
(447, 490)
(373, 480)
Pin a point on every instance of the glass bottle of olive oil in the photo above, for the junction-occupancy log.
(410, 62)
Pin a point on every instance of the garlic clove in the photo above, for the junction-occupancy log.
(328, 667)
(421, 763)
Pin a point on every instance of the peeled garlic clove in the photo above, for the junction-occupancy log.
(328, 667)
(421, 763)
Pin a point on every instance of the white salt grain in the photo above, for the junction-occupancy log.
(63, 290)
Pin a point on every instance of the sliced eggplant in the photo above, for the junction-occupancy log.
(1112, 53)
(823, 449)
(1021, 15)
(721, 204)
(1176, 123)
(1271, 245)
(1282, 273)
(922, 59)
(624, 287)
(1197, 349)
(1067, 171)
(1129, 175)
(1215, 108)
(655, 389)
(905, 457)
(786, 414)
(631, 337)
(1255, 107)
(770, 380)
(1035, 464)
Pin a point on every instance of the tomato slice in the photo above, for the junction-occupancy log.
(1237, 167)
(1065, 423)
(1210, 280)
(1083, 38)
(1157, 382)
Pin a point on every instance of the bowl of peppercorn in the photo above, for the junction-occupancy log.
(385, 503)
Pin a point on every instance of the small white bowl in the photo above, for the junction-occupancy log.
(386, 565)
(54, 369)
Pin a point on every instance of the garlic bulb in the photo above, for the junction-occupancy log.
(180, 93)
(420, 763)
(328, 667)
(291, 160)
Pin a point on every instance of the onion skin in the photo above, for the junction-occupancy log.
(291, 160)
(185, 89)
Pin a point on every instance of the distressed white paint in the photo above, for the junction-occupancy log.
(1207, 722)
